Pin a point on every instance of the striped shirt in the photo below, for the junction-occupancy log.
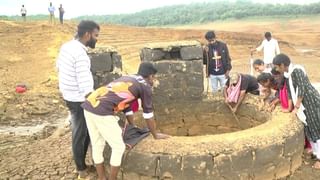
(75, 77)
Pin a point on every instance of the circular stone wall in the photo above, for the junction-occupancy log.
(207, 144)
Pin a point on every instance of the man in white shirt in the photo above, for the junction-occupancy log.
(270, 48)
(23, 13)
(75, 83)
(51, 10)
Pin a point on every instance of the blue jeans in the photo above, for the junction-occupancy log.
(80, 135)
(217, 80)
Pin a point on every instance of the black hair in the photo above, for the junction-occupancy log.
(267, 35)
(146, 69)
(86, 26)
(264, 77)
(258, 62)
(281, 59)
(210, 35)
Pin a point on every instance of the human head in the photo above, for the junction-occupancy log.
(267, 35)
(210, 37)
(258, 65)
(147, 71)
(276, 74)
(281, 62)
(233, 78)
(22, 5)
(88, 32)
(50, 3)
(265, 79)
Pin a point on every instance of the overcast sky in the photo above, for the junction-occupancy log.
(74, 8)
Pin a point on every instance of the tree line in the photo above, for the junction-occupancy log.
(206, 12)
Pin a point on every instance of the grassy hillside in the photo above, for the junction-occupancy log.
(206, 12)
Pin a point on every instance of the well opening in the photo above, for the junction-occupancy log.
(196, 118)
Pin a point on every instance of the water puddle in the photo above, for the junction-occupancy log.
(33, 129)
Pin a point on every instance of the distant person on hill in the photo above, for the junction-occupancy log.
(270, 48)
(75, 83)
(23, 13)
(51, 10)
(61, 13)
(217, 61)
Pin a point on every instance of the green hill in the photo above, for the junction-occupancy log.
(205, 12)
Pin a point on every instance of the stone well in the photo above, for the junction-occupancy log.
(207, 142)
(106, 65)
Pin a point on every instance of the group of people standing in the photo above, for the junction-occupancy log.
(279, 81)
(93, 112)
(51, 10)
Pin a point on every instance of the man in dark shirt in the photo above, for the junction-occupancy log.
(102, 105)
(217, 61)
(236, 88)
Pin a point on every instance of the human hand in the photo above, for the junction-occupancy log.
(285, 110)
(161, 136)
(271, 108)
(227, 74)
(234, 110)
(206, 48)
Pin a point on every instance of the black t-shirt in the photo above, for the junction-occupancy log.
(248, 83)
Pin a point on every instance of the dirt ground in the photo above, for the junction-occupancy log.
(28, 150)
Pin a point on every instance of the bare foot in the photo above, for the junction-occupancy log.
(316, 165)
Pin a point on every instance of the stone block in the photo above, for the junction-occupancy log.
(195, 80)
(267, 172)
(242, 161)
(268, 154)
(101, 62)
(191, 52)
(223, 165)
(116, 61)
(294, 144)
(296, 161)
(140, 163)
(147, 54)
(197, 167)
(170, 166)
(283, 168)
(163, 67)
(179, 66)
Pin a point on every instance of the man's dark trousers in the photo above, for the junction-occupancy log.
(80, 135)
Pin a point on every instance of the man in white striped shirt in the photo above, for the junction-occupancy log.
(75, 82)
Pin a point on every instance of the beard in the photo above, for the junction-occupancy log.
(92, 43)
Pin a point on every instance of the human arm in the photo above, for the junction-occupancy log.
(205, 60)
(299, 79)
(241, 98)
(228, 59)
(148, 115)
(259, 48)
(273, 104)
(83, 74)
(152, 127)
(277, 47)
